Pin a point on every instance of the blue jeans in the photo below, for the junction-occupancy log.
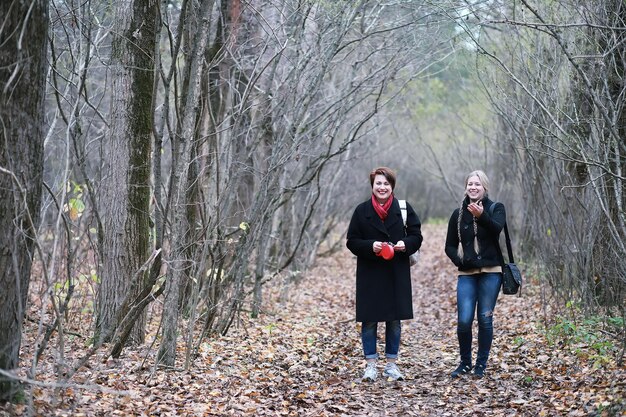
(392, 339)
(476, 290)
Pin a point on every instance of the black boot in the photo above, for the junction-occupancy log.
(479, 370)
(462, 369)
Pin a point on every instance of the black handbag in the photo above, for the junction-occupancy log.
(511, 275)
(511, 279)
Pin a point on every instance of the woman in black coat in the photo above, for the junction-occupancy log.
(383, 286)
(472, 245)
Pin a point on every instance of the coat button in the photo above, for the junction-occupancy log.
(480, 257)
(465, 227)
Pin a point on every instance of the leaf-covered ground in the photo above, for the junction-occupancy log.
(303, 358)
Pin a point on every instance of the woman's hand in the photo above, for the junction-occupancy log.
(476, 209)
(377, 246)
(400, 246)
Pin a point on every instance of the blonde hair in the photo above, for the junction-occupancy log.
(484, 180)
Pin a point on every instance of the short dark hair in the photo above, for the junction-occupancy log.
(387, 173)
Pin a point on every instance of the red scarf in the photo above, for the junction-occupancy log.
(383, 210)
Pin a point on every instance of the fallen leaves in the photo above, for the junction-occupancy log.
(305, 359)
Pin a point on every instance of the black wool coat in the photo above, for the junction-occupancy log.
(489, 228)
(383, 288)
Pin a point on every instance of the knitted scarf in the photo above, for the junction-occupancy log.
(383, 210)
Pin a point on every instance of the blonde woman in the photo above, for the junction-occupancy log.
(471, 244)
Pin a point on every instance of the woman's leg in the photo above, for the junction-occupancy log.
(488, 289)
(392, 345)
(392, 339)
(466, 293)
(368, 338)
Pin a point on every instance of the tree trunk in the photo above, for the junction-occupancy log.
(180, 175)
(23, 37)
(612, 287)
(126, 186)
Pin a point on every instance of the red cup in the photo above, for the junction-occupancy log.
(387, 251)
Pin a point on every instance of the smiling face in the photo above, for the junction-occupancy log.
(381, 188)
(474, 188)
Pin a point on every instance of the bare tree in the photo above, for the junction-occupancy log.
(125, 194)
(557, 85)
(261, 110)
(23, 36)
(288, 88)
(182, 146)
(315, 87)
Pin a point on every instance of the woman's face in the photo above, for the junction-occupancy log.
(474, 188)
(381, 188)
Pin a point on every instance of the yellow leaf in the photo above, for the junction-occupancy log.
(73, 213)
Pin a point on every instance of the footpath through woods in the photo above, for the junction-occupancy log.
(303, 358)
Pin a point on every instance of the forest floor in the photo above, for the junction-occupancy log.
(303, 358)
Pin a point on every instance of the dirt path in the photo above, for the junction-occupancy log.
(303, 358)
(311, 361)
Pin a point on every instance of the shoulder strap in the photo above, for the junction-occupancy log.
(509, 248)
(403, 210)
